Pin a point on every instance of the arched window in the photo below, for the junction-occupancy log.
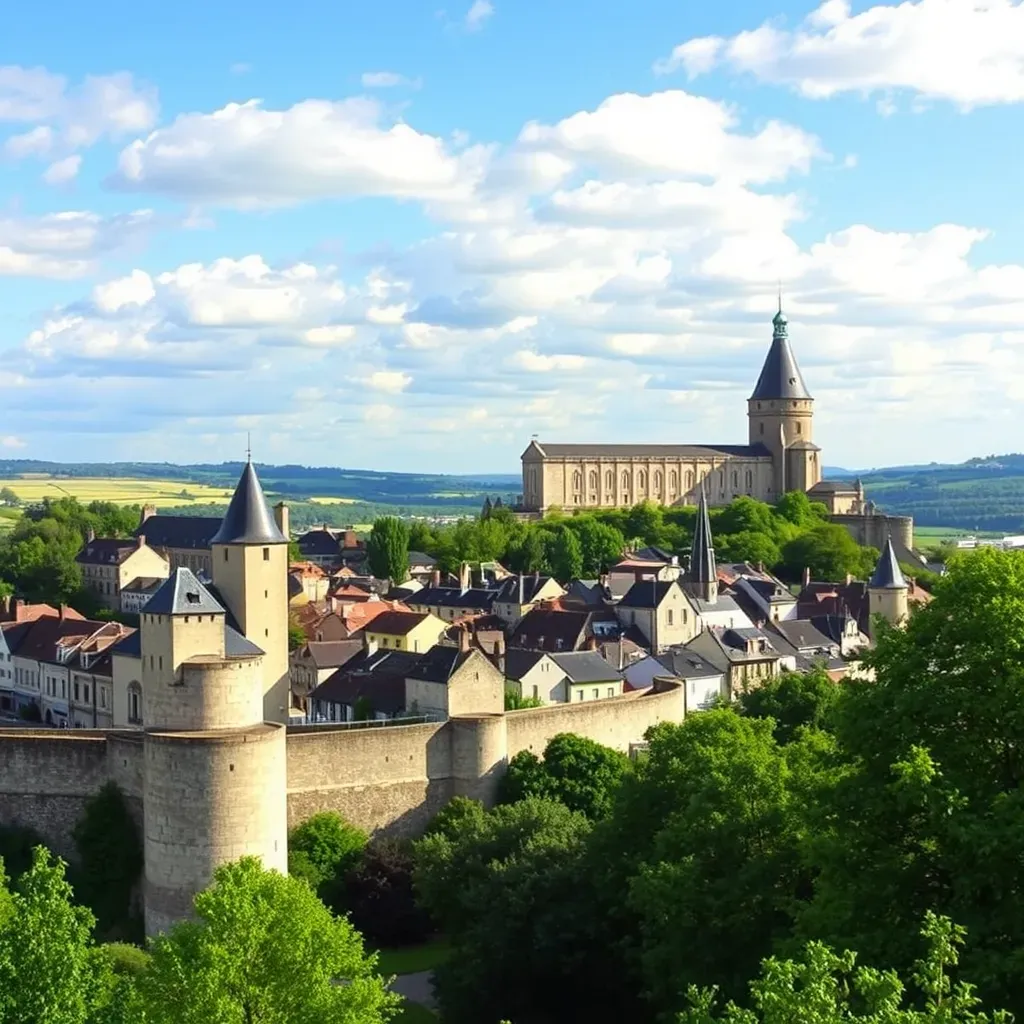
(689, 479)
(750, 480)
(799, 427)
(658, 481)
(641, 480)
(609, 481)
(673, 481)
(577, 481)
(625, 480)
(593, 479)
(134, 703)
(735, 478)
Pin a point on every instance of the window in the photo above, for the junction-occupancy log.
(225, 554)
(577, 481)
(611, 691)
(593, 479)
(86, 688)
(642, 480)
(535, 692)
(609, 481)
(76, 690)
(625, 481)
(266, 554)
(689, 479)
(761, 425)
(134, 703)
(597, 693)
(161, 663)
(673, 481)
(657, 482)
(668, 616)
(799, 427)
(103, 696)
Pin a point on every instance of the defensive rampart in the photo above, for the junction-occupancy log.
(389, 779)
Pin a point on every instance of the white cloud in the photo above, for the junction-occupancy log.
(10, 441)
(70, 118)
(333, 334)
(385, 80)
(391, 381)
(62, 171)
(675, 134)
(477, 14)
(245, 155)
(532, 362)
(970, 52)
(134, 290)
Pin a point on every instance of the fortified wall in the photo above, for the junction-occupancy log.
(390, 779)
(873, 529)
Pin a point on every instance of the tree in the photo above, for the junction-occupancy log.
(263, 949)
(829, 988)
(601, 545)
(793, 699)
(17, 843)
(829, 552)
(49, 969)
(387, 549)
(576, 771)
(516, 702)
(8, 497)
(796, 507)
(296, 635)
(109, 863)
(566, 555)
(748, 546)
(322, 850)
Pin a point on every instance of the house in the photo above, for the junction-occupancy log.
(704, 683)
(328, 547)
(746, 657)
(92, 684)
(810, 647)
(14, 610)
(584, 594)
(311, 664)
(135, 595)
(415, 632)
(761, 596)
(451, 603)
(450, 681)
(421, 566)
(660, 611)
(369, 686)
(109, 565)
(307, 582)
(588, 676)
(518, 595)
(536, 675)
(183, 541)
(647, 564)
(126, 676)
(549, 629)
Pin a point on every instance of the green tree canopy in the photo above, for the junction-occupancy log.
(792, 699)
(387, 549)
(322, 850)
(566, 555)
(829, 552)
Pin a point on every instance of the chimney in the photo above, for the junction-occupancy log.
(464, 577)
(849, 578)
(281, 518)
(63, 612)
(807, 575)
(140, 541)
(5, 607)
(20, 613)
(465, 637)
(435, 578)
(499, 653)
(90, 535)
(591, 643)
(760, 566)
(371, 646)
(147, 511)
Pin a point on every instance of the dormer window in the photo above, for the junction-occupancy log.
(192, 598)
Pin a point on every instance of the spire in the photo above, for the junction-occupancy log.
(248, 520)
(703, 573)
(780, 376)
(888, 574)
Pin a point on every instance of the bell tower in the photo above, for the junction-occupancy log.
(780, 413)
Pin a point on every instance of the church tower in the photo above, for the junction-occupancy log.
(702, 576)
(887, 589)
(250, 573)
(781, 414)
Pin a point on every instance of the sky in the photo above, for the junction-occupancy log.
(407, 237)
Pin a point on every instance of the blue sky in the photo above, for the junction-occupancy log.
(408, 237)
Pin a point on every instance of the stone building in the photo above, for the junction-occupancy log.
(110, 565)
(780, 454)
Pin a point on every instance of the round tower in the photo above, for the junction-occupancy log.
(780, 414)
(887, 590)
(214, 772)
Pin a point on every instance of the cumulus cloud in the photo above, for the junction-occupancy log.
(477, 14)
(60, 172)
(245, 155)
(386, 80)
(391, 381)
(67, 117)
(969, 52)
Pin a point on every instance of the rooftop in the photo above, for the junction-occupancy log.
(586, 667)
(183, 594)
(248, 519)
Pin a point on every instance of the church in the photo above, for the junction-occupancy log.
(780, 455)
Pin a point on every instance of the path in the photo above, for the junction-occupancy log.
(417, 988)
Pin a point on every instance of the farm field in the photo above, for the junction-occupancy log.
(121, 491)
(929, 536)
(331, 500)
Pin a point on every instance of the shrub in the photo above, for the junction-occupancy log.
(322, 850)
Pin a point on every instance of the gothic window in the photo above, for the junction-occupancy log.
(609, 481)
(689, 479)
(593, 479)
(641, 481)
(657, 482)
(750, 480)
(625, 481)
(577, 481)
(799, 427)
(134, 703)
(673, 481)
(735, 478)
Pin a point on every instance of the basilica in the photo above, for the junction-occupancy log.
(780, 455)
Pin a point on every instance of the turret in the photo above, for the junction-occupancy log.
(887, 589)
(702, 576)
(780, 413)
(250, 573)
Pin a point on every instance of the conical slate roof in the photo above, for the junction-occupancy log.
(182, 594)
(780, 376)
(888, 574)
(248, 520)
(702, 553)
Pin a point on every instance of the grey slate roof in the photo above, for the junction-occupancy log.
(888, 575)
(780, 376)
(586, 667)
(646, 594)
(521, 589)
(702, 553)
(518, 662)
(803, 634)
(452, 597)
(628, 451)
(237, 646)
(183, 594)
(179, 531)
(439, 664)
(686, 664)
(248, 520)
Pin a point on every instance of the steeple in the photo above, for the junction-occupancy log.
(780, 376)
(888, 575)
(248, 520)
(702, 575)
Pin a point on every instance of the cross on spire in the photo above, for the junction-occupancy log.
(248, 446)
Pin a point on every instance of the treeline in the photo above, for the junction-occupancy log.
(787, 537)
(814, 817)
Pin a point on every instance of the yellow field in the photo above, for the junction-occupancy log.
(118, 490)
(333, 501)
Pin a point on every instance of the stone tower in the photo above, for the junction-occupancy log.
(214, 773)
(702, 576)
(250, 573)
(781, 414)
(887, 589)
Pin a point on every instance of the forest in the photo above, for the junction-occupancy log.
(818, 852)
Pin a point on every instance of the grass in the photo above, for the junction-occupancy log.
(414, 958)
(119, 490)
(929, 536)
